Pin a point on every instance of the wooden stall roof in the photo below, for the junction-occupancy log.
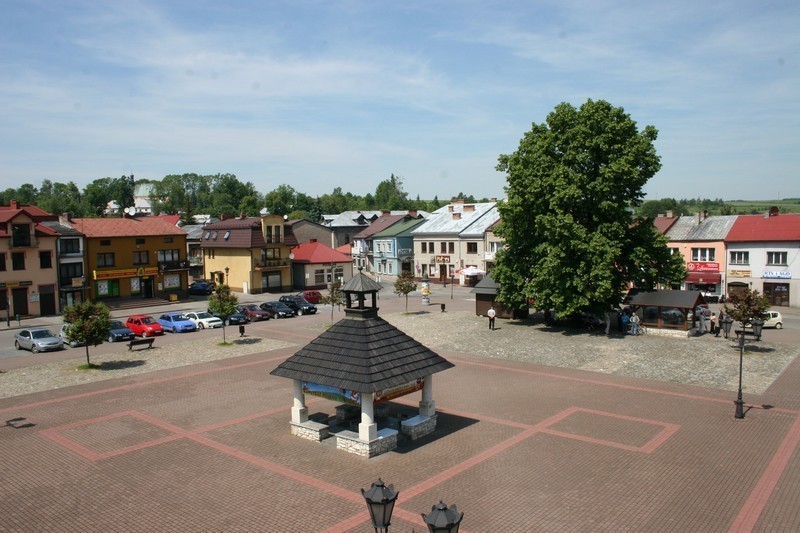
(665, 298)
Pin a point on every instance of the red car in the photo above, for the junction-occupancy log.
(312, 297)
(253, 312)
(144, 325)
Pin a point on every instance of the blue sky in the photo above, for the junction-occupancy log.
(324, 94)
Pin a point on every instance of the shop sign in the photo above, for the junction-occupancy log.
(125, 273)
(780, 274)
(739, 273)
(439, 259)
(77, 282)
(12, 284)
(702, 266)
(401, 390)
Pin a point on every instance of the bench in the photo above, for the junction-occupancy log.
(141, 342)
(747, 333)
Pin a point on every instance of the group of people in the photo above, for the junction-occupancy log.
(629, 322)
(714, 322)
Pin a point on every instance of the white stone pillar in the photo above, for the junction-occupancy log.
(299, 409)
(367, 429)
(427, 407)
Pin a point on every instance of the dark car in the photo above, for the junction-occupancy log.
(119, 332)
(201, 287)
(236, 319)
(278, 309)
(253, 312)
(299, 305)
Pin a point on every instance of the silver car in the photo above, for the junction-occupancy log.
(37, 340)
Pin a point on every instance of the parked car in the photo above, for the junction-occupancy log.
(144, 325)
(772, 319)
(311, 296)
(203, 319)
(201, 287)
(37, 340)
(253, 312)
(119, 332)
(278, 309)
(176, 323)
(62, 334)
(236, 319)
(299, 305)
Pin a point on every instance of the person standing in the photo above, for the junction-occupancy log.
(634, 324)
(491, 314)
(712, 323)
(719, 322)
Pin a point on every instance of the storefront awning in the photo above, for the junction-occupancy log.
(703, 278)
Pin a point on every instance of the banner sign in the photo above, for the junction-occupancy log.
(738, 273)
(126, 273)
(780, 274)
(332, 393)
(441, 259)
(702, 266)
(400, 390)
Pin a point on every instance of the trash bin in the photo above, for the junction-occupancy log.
(241, 330)
(173, 297)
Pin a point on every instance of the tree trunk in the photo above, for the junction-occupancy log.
(87, 355)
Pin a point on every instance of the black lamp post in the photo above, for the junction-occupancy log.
(380, 501)
(726, 325)
(227, 269)
(757, 326)
(443, 519)
(452, 278)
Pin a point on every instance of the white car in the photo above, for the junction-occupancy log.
(772, 319)
(203, 319)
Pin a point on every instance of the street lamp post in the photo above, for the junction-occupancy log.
(452, 278)
(726, 325)
(227, 280)
(442, 518)
(380, 501)
(757, 325)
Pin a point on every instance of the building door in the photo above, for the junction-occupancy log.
(270, 281)
(147, 287)
(47, 300)
(20, 298)
(777, 293)
(442, 272)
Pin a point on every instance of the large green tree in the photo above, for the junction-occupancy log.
(571, 241)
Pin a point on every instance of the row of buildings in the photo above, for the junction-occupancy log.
(49, 261)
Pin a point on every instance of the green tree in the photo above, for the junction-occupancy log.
(223, 303)
(747, 306)
(334, 296)
(280, 201)
(89, 324)
(390, 195)
(404, 285)
(121, 190)
(571, 242)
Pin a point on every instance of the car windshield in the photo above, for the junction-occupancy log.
(116, 324)
(180, 317)
(41, 334)
(204, 315)
(252, 307)
(148, 320)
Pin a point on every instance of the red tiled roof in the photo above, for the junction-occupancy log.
(758, 228)
(125, 227)
(32, 210)
(316, 252)
(346, 249)
(663, 224)
(379, 224)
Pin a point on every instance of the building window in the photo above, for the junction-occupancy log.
(214, 237)
(272, 253)
(168, 240)
(703, 254)
(472, 247)
(21, 234)
(45, 259)
(165, 256)
(319, 277)
(70, 246)
(2, 262)
(139, 241)
(227, 235)
(424, 247)
(443, 247)
(389, 268)
(18, 260)
(210, 253)
(777, 258)
(105, 242)
(208, 233)
(141, 258)
(67, 271)
(451, 247)
(740, 258)
(494, 247)
(105, 260)
(673, 251)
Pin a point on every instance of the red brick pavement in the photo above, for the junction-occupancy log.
(518, 447)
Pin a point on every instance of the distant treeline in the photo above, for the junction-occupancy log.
(215, 195)
(653, 208)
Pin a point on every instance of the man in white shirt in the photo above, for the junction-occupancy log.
(491, 314)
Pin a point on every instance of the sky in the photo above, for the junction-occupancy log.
(325, 94)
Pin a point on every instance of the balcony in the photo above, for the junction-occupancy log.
(31, 242)
(196, 261)
(271, 263)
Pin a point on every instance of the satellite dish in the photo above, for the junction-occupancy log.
(291, 256)
(285, 217)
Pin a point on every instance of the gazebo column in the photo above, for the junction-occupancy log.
(367, 429)
(427, 407)
(299, 409)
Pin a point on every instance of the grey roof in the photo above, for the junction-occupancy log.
(362, 355)
(193, 231)
(61, 229)
(460, 219)
(713, 228)
(666, 298)
(361, 218)
(360, 282)
(486, 286)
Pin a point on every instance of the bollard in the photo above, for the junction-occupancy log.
(241, 330)
(18, 320)
(442, 308)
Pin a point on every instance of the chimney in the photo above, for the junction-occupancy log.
(705, 214)
(456, 216)
(312, 240)
(493, 200)
(13, 204)
(457, 201)
(469, 207)
(67, 217)
(669, 214)
(385, 212)
(450, 208)
(412, 212)
(698, 218)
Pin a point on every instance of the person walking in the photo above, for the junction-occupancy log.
(719, 322)
(712, 323)
(491, 314)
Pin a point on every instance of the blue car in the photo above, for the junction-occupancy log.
(176, 323)
(119, 332)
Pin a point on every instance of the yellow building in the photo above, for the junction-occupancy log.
(133, 257)
(251, 255)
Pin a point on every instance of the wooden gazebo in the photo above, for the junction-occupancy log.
(666, 309)
(362, 360)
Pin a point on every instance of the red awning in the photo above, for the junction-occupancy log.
(703, 278)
